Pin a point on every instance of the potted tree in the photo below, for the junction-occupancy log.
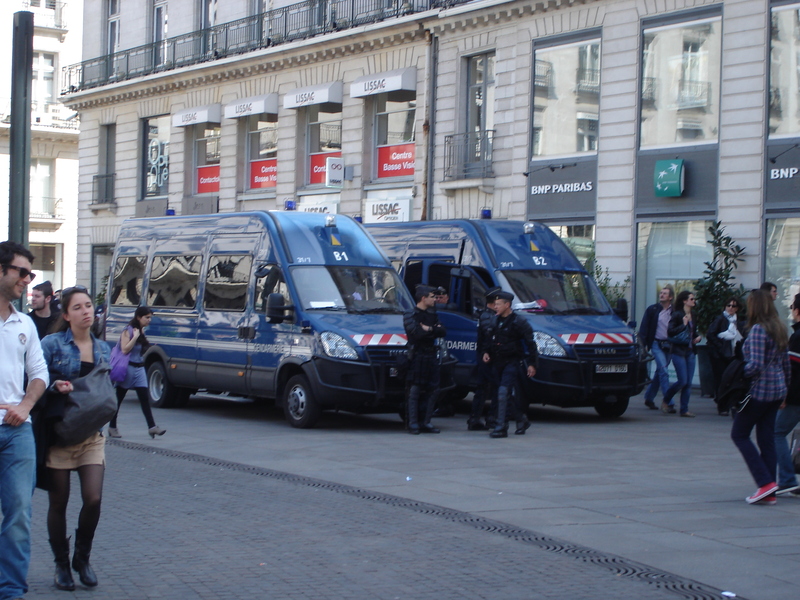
(711, 292)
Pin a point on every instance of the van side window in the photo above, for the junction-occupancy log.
(126, 289)
(226, 282)
(173, 281)
(273, 282)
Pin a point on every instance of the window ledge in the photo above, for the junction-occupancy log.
(96, 207)
(485, 185)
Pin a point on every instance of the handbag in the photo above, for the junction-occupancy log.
(682, 338)
(91, 404)
(119, 363)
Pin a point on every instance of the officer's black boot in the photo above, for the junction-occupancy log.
(80, 560)
(474, 423)
(63, 577)
(501, 427)
(412, 416)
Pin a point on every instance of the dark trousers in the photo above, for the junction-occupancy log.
(763, 461)
(485, 386)
(718, 366)
(507, 400)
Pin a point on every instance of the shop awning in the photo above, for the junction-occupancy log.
(388, 81)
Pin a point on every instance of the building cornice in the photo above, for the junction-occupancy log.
(486, 12)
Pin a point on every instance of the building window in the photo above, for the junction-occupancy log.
(44, 66)
(43, 203)
(103, 182)
(47, 265)
(567, 100)
(208, 13)
(395, 121)
(262, 151)
(669, 254)
(784, 75)
(680, 83)
(206, 157)
(159, 32)
(112, 45)
(155, 157)
(783, 259)
(324, 124)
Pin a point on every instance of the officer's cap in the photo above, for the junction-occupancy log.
(501, 295)
(492, 294)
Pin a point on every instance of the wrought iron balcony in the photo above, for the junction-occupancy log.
(103, 189)
(45, 208)
(47, 13)
(694, 94)
(45, 114)
(299, 21)
(468, 155)
(588, 81)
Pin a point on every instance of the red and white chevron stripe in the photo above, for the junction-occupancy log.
(380, 339)
(597, 338)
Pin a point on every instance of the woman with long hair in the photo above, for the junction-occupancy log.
(70, 353)
(767, 364)
(682, 331)
(134, 343)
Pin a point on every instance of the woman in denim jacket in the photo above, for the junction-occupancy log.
(73, 352)
(767, 363)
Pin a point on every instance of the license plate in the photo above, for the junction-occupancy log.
(393, 372)
(611, 368)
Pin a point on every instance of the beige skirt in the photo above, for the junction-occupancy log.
(91, 451)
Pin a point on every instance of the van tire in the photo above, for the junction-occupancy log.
(299, 405)
(612, 410)
(161, 392)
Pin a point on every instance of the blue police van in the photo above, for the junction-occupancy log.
(588, 356)
(302, 308)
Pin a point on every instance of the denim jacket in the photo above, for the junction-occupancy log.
(63, 356)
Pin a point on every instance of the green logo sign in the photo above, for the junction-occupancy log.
(668, 178)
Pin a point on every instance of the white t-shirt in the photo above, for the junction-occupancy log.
(20, 353)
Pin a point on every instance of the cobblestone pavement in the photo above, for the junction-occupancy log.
(183, 526)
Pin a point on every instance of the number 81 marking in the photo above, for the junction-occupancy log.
(340, 255)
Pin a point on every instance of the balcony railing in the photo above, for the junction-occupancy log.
(543, 74)
(103, 189)
(45, 208)
(47, 13)
(694, 94)
(299, 21)
(468, 155)
(45, 114)
(588, 81)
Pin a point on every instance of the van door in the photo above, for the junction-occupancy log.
(172, 292)
(273, 339)
(225, 328)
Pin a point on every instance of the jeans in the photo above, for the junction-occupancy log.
(785, 422)
(17, 480)
(660, 377)
(761, 462)
(684, 369)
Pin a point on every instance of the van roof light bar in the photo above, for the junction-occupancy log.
(529, 227)
(330, 220)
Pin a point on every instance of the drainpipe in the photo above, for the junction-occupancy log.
(429, 128)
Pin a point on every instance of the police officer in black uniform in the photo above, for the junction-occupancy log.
(484, 375)
(510, 343)
(423, 329)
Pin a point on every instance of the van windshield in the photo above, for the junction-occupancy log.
(555, 292)
(353, 289)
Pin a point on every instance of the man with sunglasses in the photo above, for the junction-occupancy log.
(22, 353)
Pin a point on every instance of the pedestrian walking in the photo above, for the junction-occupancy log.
(789, 411)
(653, 333)
(70, 353)
(484, 376)
(724, 339)
(134, 343)
(41, 311)
(424, 330)
(511, 342)
(683, 336)
(767, 362)
(22, 355)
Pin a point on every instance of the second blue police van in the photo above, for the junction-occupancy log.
(587, 355)
(303, 308)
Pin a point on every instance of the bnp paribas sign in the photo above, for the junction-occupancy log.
(668, 178)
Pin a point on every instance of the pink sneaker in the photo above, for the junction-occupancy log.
(762, 492)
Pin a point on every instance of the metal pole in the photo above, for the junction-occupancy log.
(20, 131)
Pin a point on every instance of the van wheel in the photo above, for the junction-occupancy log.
(299, 405)
(162, 393)
(612, 410)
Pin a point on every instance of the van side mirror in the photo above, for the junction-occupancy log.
(276, 308)
(621, 309)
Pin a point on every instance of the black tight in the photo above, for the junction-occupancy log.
(91, 477)
(144, 402)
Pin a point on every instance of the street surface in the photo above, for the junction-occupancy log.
(233, 503)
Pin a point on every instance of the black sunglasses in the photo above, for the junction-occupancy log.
(23, 272)
(75, 288)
